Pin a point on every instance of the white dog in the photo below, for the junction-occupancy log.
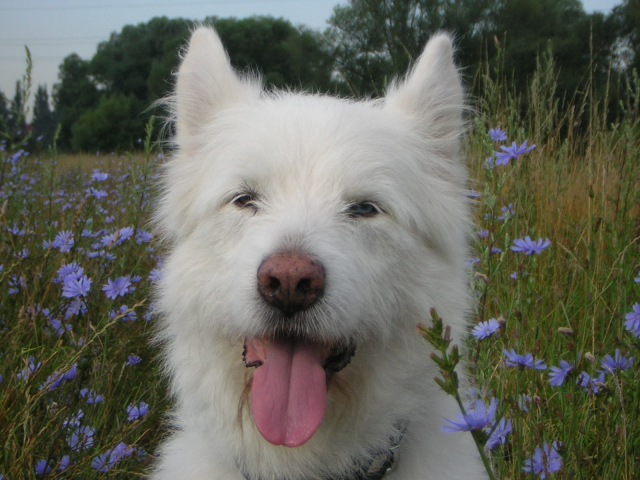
(308, 236)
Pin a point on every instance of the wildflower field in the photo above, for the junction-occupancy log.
(555, 338)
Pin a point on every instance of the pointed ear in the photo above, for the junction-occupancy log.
(433, 94)
(206, 82)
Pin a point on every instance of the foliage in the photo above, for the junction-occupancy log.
(556, 340)
(627, 19)
(580, 42)
(74, 95)
(124, 63)
(372, 40)
(115, 124)
(44, 120)
(138, 64)
(76, 400)
(285, 56)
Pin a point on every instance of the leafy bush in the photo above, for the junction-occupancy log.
(114, 125)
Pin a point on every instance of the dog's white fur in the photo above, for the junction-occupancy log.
(309, 157)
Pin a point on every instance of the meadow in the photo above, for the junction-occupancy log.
(554, 345)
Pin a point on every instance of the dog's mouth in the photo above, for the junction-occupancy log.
(289, 391)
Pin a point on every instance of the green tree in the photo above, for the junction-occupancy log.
(137, 64)
(4, 114)
(527, 28)
(284, 55)
(373, 40)
(126, 62)
(16, 122)
(114, 125)
(74, 95)
(44, 122)
(627, 19)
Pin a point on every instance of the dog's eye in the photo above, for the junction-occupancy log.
(363, 209)
(244, 200)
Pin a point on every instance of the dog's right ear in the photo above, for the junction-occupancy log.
(207, 83)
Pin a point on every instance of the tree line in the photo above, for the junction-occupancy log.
(104, 103)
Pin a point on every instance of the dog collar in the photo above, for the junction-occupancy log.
(382, 463)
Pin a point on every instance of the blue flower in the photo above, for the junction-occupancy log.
(473, 194)
(489, 163)
(74, 420)
(31, 368)
(133, 360)
(124, 234)
(497, 135)
(150, 312)
(98, 176)
(591, 384)
(499, 434)
(64, 463)
(66, 270)
(124, 313)
(528, 246)
(106, 461)
(115, 288)
(134, 412)
(97, 193)
(507, 212)
(558, 374)
(619, 362)
(545, 460)
(485, 329)
(81, 438)
(63, 241)
(107, 239)
(75, 287)
(514, 151)
(514, 360)
(632, 320)
(101, 462)
(143, 237)
(154, 275)
(56, 378)
(90, 396)
(58, 327)
(42, 467)
(76, 307)
(478, 416)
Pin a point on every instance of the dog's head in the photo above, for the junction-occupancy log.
(304, 226)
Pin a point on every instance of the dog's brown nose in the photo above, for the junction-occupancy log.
(291, 282)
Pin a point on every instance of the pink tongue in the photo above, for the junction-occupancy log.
(289, 393)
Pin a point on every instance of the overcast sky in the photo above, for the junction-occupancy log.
(54, 29)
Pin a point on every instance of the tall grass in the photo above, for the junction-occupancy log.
(580, 189)
(70, 383)
(74, 366)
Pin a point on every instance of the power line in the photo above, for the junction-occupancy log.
(22, 59)
(22, 41)
(142, 5)
(30, 43)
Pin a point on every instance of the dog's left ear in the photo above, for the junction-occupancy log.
(207, 83)
(432, 92)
